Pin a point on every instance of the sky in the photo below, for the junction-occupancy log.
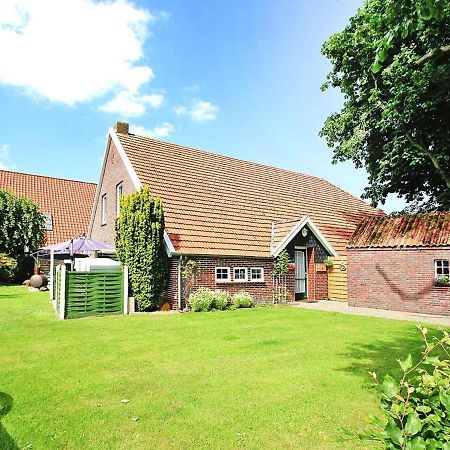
(237, 77)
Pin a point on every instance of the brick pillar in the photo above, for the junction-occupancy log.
(311, 273)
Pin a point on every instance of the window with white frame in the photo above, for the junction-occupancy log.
(119, 193)
(442, 268)
(240, 274)
(103, 215)
(256, 274)
(222, 274)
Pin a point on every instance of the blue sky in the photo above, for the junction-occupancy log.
(236, 77)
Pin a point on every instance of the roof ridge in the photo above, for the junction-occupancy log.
(46, 176)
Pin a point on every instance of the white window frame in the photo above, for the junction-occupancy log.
(118, 196)
(222, 280)
(442, 267)
(257, 280)
(239, 280)
(103, 203)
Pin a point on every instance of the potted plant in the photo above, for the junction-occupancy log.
(328, 263)
(443, 281)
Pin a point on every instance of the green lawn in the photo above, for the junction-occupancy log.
(261, 378)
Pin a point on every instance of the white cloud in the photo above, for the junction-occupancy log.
(5, 163)
(160, 131)
(76, 50)
(198, 110)
(4, 151)
(131, 104)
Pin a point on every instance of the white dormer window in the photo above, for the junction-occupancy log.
(223, 275)
(103, 212)
(240, 274)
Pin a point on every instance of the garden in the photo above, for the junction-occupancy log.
(250, 377)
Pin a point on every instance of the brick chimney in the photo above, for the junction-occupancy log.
(121, 127)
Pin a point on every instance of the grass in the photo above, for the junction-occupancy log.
(261, 378)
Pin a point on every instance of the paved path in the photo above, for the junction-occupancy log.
(342, 307)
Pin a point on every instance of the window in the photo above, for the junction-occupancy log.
(442, 268)
(222, 274)
(256, 274)
(119, 193)
(240, 274)
(103, 217)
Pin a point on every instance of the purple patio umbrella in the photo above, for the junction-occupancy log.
(79, 244)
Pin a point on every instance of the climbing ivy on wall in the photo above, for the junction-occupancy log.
(139, 244)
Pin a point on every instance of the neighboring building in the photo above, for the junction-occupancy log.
(231, 216)
(395, 262)
(66, 204)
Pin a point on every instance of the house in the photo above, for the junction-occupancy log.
(400, 263)
(66, 204)
(232, 217)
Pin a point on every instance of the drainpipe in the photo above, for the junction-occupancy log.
(315, 276)
(180, 264)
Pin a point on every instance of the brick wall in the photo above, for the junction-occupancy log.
(397, 279)
(261, 291)
(115, 173)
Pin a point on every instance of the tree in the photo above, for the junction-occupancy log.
(392, 64)
(139, 244)
(21, 224)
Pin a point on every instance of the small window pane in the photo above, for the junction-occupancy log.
(240, 274)
(442, 268)
(222, 273)
(256, 274)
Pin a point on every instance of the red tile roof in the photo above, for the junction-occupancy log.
(219, 205)
(69, 201)
(417, 230)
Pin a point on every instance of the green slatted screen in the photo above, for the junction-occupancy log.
(93, 293)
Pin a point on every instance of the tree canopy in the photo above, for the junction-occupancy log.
(21, 224)
(392, 64)
(139, 244)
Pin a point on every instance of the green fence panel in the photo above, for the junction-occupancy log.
(93, 293)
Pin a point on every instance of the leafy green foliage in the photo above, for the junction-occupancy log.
(443, 280)
(281, 264)
(189, 274)
(21, 224)
(221, 299)
(242, 300)
(205, 299)
(391, 63)
(8, 266)
(416, 408)
(139, 244)
(328, 263)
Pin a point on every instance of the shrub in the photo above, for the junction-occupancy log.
(416, 407)
(8, 266)
(242, 300)
(221, 299)
(139, 244)
(201, 300)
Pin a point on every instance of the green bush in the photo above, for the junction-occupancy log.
(139, 243)
(201, 300)
(8, 266)
(242, 300)
(206, 300)
(221, 299)
(416, 407)
(443, 280)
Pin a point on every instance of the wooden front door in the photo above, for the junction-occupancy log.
(300, 275)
